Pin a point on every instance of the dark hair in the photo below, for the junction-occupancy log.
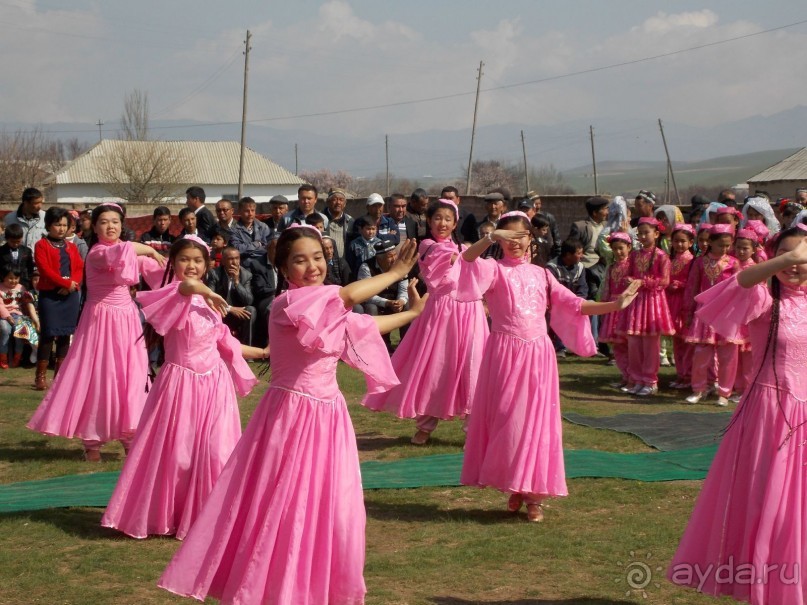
(449, 189)
(595, 203)
(397, 196)
(539, 221)
(435, 206)
(185, 212)
(691, 237)
(314, 219)
(229, 248)
(570, 246)
(31, 194)
(283, 250)
(54, 214)
(308, 187)
(417, 194)
(95, 215)
(221, 234)
(361, 222)
(246, 201)
(161, 211)
(713, 237)
(14, 231)
(196, 192)
(10, 269)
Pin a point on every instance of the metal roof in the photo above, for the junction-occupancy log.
(211, 162)
(792, 168)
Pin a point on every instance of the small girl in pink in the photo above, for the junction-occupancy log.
(712, 268)
(681, 257)
(745, 251)
(439, 358)
(647, 319)
(190, 423)
(99, 392)
(514, 434)
(284, 523)
(614, 284)
(16, 307)
(747, 536)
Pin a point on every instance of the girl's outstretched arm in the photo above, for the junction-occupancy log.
(191, 286)
(387, 323)
(144, 250)
(359, 291)
(756, 274)
(589, 307)
(476, 250)
(248, 352)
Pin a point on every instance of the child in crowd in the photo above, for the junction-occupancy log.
(190, 423)
(759, 209)
(745, 251)
(439, 358)
(285, 521)
(72, 222)
(187, 217)
(17, 315)
(615, 283)
(749, 518)
(486, 230)
(729, 216)
(316, 220)
(568, 269)
(668, 216)
(338, 269)
(159, 237)
(99, 393)
(702, 237)
(648, 319)
(61, 270)
(762, 232)
(541, 240)
(681, 257)
(362, 247)
(14, 253)
(514, 436)
(218, 243)
(707, 270)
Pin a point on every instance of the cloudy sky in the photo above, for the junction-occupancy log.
(74, 61)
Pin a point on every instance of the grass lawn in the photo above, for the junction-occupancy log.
(439, 546)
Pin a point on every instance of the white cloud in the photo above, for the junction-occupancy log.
(662, 23)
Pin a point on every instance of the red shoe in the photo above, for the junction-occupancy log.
(3, 361)
(16, 360)
(515, 502)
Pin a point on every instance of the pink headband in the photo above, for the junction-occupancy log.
(684, 227)
(113, 204)
(748, 234)
(727, 210)
(198, 240)
(705, 227)
(619, 236)
(305, 226)
(514, 213)
(758, 227)
(722, 229)
(801, 227)
(649, 220)
(451, 203)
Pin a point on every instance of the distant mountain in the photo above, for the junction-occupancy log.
(443, 154)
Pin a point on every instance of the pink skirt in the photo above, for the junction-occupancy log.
(648, 315)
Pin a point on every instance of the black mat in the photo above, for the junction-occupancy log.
(666, 431)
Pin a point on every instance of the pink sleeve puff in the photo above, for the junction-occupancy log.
(165, 309)
(119, 259)
(727, 306)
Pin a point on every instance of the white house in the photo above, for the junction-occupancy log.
(782, 179)
(212, 165)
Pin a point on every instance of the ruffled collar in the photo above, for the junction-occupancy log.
(508, 261)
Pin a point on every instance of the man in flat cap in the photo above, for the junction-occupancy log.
(494, 204)
(340, 223)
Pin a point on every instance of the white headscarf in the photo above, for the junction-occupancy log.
(763, 206)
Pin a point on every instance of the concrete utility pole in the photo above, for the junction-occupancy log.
(296, 163)
(669, 162)
(386, 150)
(99, 123)
(526, 172)
(593, 160)
(473, 128)
(244, 116)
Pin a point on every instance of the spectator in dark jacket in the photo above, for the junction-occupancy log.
(233, 283)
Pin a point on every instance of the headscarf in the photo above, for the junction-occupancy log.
(673, 214)
(712, 208)
(761, 205)
(617, 213)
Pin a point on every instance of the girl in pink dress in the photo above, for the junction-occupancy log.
(707, 270)
(514, 434)
(439, 358)
(683, 237)
(99, 392)
(746, 537)
(648, 319)
(284, 523)
(614, 284)
(745, 251)
(190, 423)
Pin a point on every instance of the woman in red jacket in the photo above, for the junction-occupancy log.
(60, 270)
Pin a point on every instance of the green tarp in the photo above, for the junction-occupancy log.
(94, 489)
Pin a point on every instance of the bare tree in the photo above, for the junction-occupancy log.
(27, 158)
(325, 179)
(135, 117)
(144, 172)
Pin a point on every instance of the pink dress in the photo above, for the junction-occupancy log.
(190, 424)
(514, 441)
(752, 510)
(285, 521)
(616, 282)
(439, 358)
(679, 274)
(100, 390)
(705, 273)
(648, 314)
